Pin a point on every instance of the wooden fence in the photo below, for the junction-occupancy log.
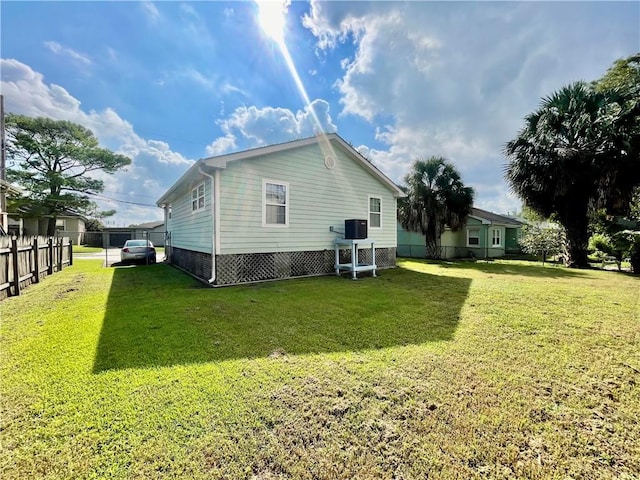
(27, 260)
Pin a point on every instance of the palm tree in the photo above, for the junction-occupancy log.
(577, 153)
(436, 197)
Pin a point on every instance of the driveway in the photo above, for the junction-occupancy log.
(109, 256)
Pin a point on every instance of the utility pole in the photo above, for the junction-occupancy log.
(3, 172)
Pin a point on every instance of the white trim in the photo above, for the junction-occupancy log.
(500, 235)
(468, 230)
(266, 181)
(198, 197)
(369, 212)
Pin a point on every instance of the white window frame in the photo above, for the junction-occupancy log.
(469, 236)
(287, 205)
(493, 237)
(371, 212)
(197, 207)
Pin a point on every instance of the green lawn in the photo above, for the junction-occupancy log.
(85, 249)
(445, 370)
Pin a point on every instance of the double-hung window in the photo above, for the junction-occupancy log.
(375, 212)
(473, 237)
(496, 237)
(197, 198)
(275, 203)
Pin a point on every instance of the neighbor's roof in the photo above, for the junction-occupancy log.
(493, 217)
(149, 224)
(323, 140)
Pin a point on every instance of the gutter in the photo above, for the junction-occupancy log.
(213, 222)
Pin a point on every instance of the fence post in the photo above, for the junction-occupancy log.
(70, 252)
(50, 255)
(59, 253)
(16, 269)
(36, 258)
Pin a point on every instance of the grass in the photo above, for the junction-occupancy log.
(85, 249)
(445, 370)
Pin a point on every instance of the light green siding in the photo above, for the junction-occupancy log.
(191, 230)
(319, 198)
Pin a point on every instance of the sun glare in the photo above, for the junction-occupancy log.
(272, 18)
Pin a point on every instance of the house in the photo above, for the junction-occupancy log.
(6, 189)
(117, 236)
(276, 211)
(68, 224)
(485, 235)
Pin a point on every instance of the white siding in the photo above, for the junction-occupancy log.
(191, 230)
(318, 198)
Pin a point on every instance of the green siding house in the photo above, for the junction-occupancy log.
(276, 211)
(485, 235)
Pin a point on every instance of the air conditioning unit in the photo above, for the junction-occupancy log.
(355, 229)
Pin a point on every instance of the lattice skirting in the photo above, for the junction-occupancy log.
(256, 267)
(196, 263)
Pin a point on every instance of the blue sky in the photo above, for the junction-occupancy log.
(170, 82)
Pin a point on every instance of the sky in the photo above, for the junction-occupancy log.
(167, 83)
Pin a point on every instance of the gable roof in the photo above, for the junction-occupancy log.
(493, 218)
(149, 225)
(327, 142)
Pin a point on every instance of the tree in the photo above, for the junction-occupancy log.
(541, 239)
(436, 197)
(55, 159)
(579, 152)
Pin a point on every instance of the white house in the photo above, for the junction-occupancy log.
(276, 211)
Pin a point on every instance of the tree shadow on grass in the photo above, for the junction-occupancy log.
(158, 316)
(507, 267)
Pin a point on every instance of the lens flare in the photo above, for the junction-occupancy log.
(272, 17)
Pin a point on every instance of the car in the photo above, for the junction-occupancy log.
(138, 250)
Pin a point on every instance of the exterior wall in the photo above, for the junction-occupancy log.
(411, 244)
(191, 230)
(319, 198)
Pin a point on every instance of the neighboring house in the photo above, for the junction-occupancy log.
(275, 211)
(117, 236)
(485, 235)
(68, 224)
(6, 189)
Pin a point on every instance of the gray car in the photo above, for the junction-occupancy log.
(138, 250)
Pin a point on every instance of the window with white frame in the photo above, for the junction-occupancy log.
(496, 237)
(473, 237)
(275, 206)
(197, 198)
(375, 212)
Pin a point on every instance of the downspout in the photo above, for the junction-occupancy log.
(213, 223)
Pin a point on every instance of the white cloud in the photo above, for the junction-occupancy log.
(455, 79)
(27, 93)
(265, 126)
(151, 11)
(222, 145)
(58, 49)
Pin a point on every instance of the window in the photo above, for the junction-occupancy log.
(275, 206)
(375, 212)
(496, 237)
(197, 198)
(473, 237)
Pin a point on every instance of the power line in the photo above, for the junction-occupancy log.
(122, 201)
